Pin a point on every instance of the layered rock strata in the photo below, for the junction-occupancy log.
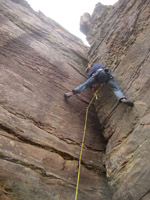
(40, 133)
(119, 36)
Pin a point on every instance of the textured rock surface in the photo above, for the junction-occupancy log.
(85, 23)
(40, 133)
(119, 36)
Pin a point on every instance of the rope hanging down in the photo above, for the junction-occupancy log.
(85, 125)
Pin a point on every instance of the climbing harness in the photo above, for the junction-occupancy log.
(85, 125)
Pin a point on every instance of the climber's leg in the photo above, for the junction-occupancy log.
(81, 88)
(115, 88)
(118, 93)
(87, 84)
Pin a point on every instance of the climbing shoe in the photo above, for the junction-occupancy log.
(127, 102)
(67, 95)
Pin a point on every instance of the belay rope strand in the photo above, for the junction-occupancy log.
(85, 125)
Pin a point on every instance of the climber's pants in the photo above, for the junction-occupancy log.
(115, 88)
(87, 84)
(101, 77)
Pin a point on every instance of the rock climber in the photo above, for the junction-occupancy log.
(99, 73)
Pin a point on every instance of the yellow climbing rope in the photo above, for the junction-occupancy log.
(85, 125)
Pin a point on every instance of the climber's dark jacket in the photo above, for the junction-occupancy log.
(94, 68)
(98, 73)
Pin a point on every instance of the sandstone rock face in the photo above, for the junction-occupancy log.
(120, 38)
(40, 133)
(85, 23)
